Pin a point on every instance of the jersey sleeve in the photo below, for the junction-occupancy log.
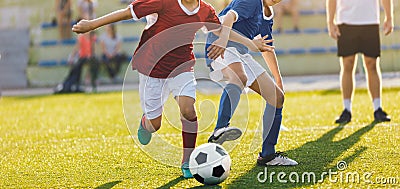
(244, 9)
(142, 8)
(212, 21)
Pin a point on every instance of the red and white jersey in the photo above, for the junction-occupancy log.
(165, 47)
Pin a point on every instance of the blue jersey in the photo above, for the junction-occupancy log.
(266, 27)
(260, 24)
(249, 18)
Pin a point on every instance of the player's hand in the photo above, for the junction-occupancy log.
(82, 26)
(333, 31)
(260, 44)
(388, 27)
(217, 49)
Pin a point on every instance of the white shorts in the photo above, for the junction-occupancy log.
(251, 67)
(154, 92)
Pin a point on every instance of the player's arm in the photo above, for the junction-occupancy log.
(226, 33)
(333, 29)
(87, 25)
(388, 24)
(217, 48)
(272, 63)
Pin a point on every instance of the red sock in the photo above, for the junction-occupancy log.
(189, 135)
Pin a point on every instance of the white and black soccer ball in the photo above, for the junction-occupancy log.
(210, 164)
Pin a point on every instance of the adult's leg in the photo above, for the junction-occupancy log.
(94, 72)
(294, 11)
(279, 11)
(374, 76)
(347, 79)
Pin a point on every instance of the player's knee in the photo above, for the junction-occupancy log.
(371, 67)
(242, 78)
(188, 113)
(348, 68)
(153, 126)
(280, 99)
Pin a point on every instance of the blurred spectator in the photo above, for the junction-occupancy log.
(111, 48)
(63, 11)
(84, 51)
(84, 7)
(286, 6)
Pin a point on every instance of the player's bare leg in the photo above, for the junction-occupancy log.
(347, 84)
(374, 79)
(189, 130)
(147, 127)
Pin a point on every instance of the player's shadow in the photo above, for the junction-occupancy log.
(174, 182)
(108, 185)
(317, 156)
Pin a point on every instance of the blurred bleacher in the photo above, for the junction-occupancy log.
(307, 52)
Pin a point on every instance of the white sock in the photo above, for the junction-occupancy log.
(347, 104)
(377, 103)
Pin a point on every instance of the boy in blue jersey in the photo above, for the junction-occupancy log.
(249, 18)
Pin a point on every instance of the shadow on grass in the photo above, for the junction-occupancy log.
(172, 183)
(315, 156)
(108, 185)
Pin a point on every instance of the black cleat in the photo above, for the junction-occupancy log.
(344, 118)
(381, 116)
(221, 135)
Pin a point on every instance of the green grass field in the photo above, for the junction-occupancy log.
(82, 141)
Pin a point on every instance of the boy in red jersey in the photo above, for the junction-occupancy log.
(164, 59)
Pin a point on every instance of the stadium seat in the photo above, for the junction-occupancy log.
(332, 49)
(312, 30)
(68, 42)
(395, 47)
(47, 25)
(130, 39)
(318, 50)
(63, 62)
(296, 51)
(49, 43)
(280, 52)
(47, 63)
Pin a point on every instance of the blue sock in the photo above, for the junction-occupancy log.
(227, 104)
(271, 129)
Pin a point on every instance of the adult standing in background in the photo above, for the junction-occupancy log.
(355, 26)
(64, 13)
(84, 8)
(290, 6)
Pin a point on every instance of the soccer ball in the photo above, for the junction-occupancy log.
(210, 163)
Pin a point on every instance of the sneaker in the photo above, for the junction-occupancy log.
(381, 116)
(144, 135)
(186, 171)
(279, 158)
(225, 134)
(344, 118)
